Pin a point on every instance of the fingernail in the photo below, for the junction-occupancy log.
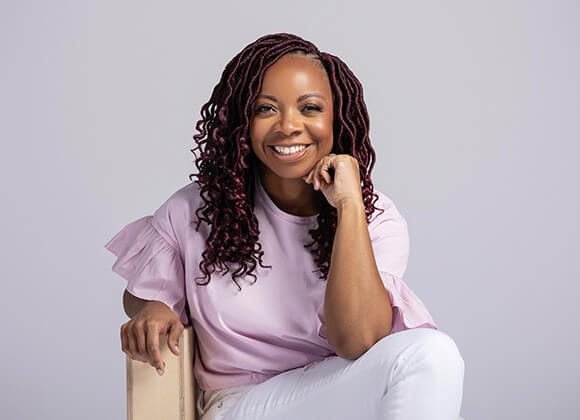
(159, 371)
(176, 349)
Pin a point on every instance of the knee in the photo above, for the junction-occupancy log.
(439, 351)
(433, 349)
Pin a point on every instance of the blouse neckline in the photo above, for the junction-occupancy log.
(270, 205)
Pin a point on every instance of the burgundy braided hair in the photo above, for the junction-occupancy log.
(227, 162)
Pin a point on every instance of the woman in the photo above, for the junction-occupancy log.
(286, 160)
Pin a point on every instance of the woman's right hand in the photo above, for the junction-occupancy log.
(140, 336)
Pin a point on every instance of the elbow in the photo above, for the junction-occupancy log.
(126, 303)
(132, 304)
(351, 353)
(348, 349)
(352, 349)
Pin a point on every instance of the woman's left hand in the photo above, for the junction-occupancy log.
(346, 183)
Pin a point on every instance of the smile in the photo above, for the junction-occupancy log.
(289, 153)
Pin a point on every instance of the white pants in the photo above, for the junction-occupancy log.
(415, 374)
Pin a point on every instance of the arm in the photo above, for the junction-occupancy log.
(133, 304)
(357, 307)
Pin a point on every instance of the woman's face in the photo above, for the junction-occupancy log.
(294, 107)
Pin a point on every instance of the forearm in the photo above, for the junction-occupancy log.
(357, 307)
(133, 304)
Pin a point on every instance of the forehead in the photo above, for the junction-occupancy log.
(293, 73)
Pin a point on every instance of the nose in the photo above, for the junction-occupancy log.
(290, 123)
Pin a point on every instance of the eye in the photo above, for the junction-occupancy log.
(261, 108)
(312, 107)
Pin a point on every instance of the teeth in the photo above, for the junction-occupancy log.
(284, 150)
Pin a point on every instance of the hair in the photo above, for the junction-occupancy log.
(227, 162)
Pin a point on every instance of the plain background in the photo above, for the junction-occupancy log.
(475, 119)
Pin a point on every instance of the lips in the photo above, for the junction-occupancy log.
(292, 157)
(290, 144)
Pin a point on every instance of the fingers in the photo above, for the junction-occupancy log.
(310, 178)
(320, 173)
(130, 343)
(140, 336)
(153, 348)
(124, 340)
(140, 341)
(127, 345)
(175, 330)
(325, 174)
(137, 343)
(139, 333)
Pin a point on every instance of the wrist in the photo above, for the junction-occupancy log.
(349, 205)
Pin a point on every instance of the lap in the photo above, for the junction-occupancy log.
(351, 387)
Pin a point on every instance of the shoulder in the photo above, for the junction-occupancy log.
(183, 200)
(173, 217)
(387, 212)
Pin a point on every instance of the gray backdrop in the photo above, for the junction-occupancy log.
(474, 117)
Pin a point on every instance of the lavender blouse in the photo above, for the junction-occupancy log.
(248, 336)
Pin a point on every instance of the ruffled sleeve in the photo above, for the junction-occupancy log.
(152, 266)
(408, 310)
(390, 241)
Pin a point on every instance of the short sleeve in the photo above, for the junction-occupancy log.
(148, 258)
(390, 241)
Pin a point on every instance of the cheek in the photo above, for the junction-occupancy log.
(257, 130)
(322, 128)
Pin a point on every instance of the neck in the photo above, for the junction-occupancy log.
(291, 195)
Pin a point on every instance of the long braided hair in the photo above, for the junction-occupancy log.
(226, 165)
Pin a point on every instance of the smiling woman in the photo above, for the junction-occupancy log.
(328, 328)
(292, 128)
(298, 108)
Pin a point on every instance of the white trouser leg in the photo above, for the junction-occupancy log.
(414, 374)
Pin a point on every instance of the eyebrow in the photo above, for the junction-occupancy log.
(300, 98)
